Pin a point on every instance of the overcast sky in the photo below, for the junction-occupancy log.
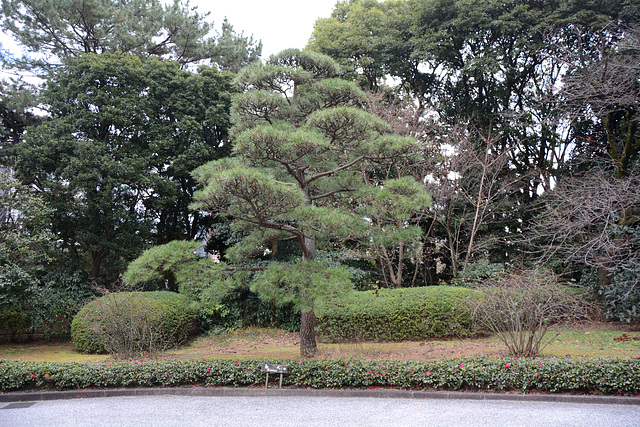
(280, 24)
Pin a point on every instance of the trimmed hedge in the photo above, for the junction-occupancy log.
(169, 314)
(592, 376)
(399, 314)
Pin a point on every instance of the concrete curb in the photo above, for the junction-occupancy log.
(397, 394)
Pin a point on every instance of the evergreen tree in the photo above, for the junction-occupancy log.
(304, 150)
(114, 159)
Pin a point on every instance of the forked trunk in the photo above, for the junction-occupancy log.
(308, 346)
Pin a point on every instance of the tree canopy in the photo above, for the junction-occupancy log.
(303, 151)
(528, 73)
(114, 159)
(68, 28)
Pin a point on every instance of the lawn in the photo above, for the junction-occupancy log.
(587, 341)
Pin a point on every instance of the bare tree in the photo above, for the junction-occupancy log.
(522, 307)
(582, 213)
(604, 87)
(465, 171)
(593, 219)
(470, 188)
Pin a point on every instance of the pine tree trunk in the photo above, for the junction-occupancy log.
(308, 346)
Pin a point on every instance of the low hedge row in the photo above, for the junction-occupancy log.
(592, 376)
(398, 314)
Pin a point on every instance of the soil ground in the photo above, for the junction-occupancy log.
(589, 340)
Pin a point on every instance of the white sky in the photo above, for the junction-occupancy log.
(280, 24)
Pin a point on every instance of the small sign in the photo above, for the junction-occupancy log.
(270, 368)
(275, 369)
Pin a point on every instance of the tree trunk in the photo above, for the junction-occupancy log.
(604, 279)
(474, 227)
(308, 346)
(96, 262)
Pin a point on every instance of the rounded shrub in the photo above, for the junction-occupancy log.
(399, 314)
(129, 323)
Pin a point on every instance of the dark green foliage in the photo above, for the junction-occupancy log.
(399, 314)
(622, 295)
(49, 303)
(16, 290)
(25, 239)
(622, 298)
(593, 376)
(56, 301)
(241, 308)
(16, 325)
(114, 160)
(164, 318)
(477, 272)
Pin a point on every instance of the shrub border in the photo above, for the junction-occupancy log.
(614, 376)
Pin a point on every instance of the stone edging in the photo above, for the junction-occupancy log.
(383, 393)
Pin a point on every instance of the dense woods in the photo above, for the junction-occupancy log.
(412, 143)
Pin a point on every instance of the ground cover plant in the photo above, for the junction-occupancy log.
(608, 376)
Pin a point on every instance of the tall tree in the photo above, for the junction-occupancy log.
(353, 36)
(50, 32)
(602, 90)
(496, 65)
(303, 149)
(114, 158)
(68, 28)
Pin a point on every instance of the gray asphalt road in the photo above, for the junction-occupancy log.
(309, 411)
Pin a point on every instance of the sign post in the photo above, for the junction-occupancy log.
(269, 368)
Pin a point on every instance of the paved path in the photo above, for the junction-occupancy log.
(334, 411)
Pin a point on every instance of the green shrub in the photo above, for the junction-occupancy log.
(593, 376)
(16, 324)
(60, 296)
(129, 323)
(49, 302)
(478, 272)
(241, 308)
(398, 314)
